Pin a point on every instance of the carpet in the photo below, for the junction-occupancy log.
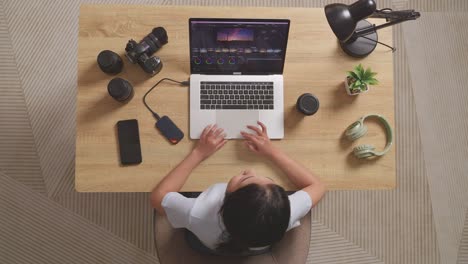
(438, 58)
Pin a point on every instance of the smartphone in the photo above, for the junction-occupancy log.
(129, 142)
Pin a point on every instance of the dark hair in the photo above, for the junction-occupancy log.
(254, 216)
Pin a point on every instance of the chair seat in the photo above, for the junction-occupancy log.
(172, 247)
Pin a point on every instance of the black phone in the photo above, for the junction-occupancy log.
(129, 142)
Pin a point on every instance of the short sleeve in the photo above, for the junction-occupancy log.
(177, 208)
(300, 203)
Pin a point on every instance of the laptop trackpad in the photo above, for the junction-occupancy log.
(234, 121)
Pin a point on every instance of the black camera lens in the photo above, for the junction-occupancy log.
(120, 89)
(160, 34)
(155, 40)
(109, 62)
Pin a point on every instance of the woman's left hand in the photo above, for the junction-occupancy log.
(211, 140)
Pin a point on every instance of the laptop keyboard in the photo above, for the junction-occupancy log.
(236, 95)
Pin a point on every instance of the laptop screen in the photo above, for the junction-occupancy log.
(238, 46)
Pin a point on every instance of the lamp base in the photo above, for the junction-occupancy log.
(360, 47)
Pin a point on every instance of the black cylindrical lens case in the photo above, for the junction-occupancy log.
(120, 89)
(307, 104)
(109, 62)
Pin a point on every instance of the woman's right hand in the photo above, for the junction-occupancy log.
(258, 142)
(211, 140)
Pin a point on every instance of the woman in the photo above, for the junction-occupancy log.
(250, 212)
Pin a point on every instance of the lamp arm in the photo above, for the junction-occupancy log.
(392, 17)
(390, 14)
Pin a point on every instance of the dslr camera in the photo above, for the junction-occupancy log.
(141, 52)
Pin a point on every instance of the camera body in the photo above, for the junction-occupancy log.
(141, 52)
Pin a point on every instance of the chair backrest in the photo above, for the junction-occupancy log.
(195, 243)
(172, 247)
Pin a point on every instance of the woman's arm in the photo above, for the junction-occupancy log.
(297, 174)
(174, 180)
(211, 140)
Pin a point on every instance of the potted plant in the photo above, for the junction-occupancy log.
(359, 80)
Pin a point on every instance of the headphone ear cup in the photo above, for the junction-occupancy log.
(364, 151)
(356, 130)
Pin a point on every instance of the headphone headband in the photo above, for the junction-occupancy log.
(388, 130)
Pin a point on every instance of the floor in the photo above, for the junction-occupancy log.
(424, 220)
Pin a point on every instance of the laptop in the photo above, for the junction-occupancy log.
(236, 76)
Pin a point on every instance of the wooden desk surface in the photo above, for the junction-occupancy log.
(314, 63)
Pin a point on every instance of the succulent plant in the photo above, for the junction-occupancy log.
(359, 79)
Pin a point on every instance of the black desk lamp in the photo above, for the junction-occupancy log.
(357, 36)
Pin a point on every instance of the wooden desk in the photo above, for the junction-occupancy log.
(314, 63)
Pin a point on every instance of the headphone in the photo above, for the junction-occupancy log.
(358, 129)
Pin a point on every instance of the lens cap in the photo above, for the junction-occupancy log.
(120, 89)
(109, 62)
(307, 104)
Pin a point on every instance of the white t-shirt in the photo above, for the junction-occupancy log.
(201, 215)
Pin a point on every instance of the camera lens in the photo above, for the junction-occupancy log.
(109, 62)
(153, 41)
(120, 89)
(161, 34)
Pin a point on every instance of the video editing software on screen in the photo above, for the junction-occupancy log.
(247, 47)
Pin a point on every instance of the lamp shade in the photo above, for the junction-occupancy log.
(344, 18)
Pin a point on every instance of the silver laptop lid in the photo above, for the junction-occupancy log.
(238, 46)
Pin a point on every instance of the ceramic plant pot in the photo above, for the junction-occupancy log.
(348, 90)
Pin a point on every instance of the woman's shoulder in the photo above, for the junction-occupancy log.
(210, 201)
(217, 188)
(205, 221)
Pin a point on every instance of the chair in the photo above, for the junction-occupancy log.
(172, 247)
